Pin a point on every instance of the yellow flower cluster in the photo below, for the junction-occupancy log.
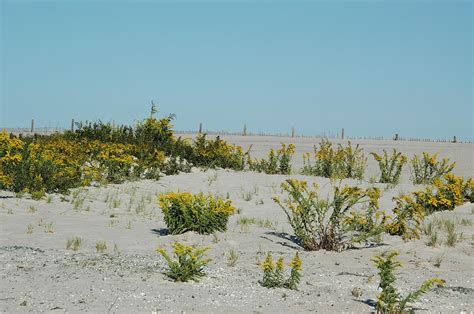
(10, 156)
(445, 193)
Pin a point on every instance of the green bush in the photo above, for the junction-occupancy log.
(201, 213)
(343, 162)
(279, 163)
(188, 264)
(389, 301)
(426, 169)
(331, 224)
(390, 166)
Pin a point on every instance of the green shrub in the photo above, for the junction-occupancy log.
(343, 162)
(188, 264)
(330, 224)
(273, 273)
(201, 213)
(426, 169)
(390, 166)
(279, 163)
(389, 300)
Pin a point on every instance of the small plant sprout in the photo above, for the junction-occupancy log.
(452, 236)
(49, 227)
(188, 264)
(232, 257)
(215, 238)
(273, 273)
(49, 199)
(129, 224)
(438, 260)
(29, 229)
(10, 211)
(116, 249)
(74, 243)
(389, 300)
(31, 209)
(101, 246)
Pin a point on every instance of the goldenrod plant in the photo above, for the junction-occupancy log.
(330, 224)
(408, 220)
(425, 168)
(445, 193)
(276, 163)
(188, 263)
(390, 301)
(343, 162)
(201, 213)
(274, 276)
(390, 166)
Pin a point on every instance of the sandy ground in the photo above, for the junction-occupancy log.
(37, 273)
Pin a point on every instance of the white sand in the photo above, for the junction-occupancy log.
(37, 269)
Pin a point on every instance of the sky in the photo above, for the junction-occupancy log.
(374, 68)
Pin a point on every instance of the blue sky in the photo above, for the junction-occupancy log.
(375, 68)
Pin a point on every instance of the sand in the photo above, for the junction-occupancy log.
(37, 273)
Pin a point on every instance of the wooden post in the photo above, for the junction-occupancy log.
(72, 125)
(32, 125)
(200, 128)
(342, 134)
(245, 130)
(454, 139)
(293, 132)
(396, 137)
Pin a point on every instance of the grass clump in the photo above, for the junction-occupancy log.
(232, 258)
(343, 162)
(101, 246)
(331, 224)
(277, 163)
(425, 169)
(74, 243)
(273, 273)
(390, 166)
(389, 300)
(195, 212)
(188, 264)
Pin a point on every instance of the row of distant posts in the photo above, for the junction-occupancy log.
(244, 133)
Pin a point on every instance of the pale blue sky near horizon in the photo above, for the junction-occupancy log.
(373, 67)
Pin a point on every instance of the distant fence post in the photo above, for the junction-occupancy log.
(72, 125)
(396, 137)
(245, 130)
(200, 128)
(32, 125)
(342, 133)
(454, 139)
(293, 132)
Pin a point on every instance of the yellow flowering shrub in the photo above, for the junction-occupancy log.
(277, 163)
(116, 161)
(343, 162)
(10, 156)
(217, 153)
(444, 194)
(273, 273)
(201, 213)
(188, 264)
(390, 166)
(328, 223)
(408, 219)
(426, 169)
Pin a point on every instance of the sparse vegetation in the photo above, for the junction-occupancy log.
(232, 257)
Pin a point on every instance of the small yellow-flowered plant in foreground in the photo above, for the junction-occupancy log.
(188, 263)
(273, 273)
